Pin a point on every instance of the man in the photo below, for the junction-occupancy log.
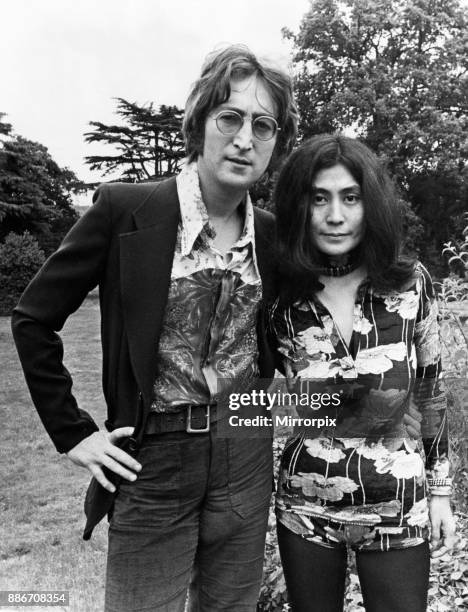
(182, 268)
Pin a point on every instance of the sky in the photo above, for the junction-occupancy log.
(64, 60)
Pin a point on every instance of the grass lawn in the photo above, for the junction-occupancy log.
(41, 498)
(42, 494)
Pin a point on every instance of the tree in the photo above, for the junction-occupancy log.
(5, 128)
(149, 145)
(20, 258)
(35, 193)
(396, 74)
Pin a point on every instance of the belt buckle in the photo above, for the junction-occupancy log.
(190, 429)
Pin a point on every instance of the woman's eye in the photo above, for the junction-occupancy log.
(352, 198)
(319, 200)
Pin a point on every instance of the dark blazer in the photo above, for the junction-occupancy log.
(124, 244)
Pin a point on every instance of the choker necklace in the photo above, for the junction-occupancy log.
(330, 267)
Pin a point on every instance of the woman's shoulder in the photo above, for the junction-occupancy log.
(419, 279)
(422, 279)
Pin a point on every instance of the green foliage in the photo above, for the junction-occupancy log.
(457, 252)
(35, 193)
(273, 595)
(413, 231)
(5, 128)
(453, 299)
(262, 191)
(149, 146)
(396, 75)
(20, 258)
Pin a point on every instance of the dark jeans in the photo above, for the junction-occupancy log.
(391, 581)
(198, 510)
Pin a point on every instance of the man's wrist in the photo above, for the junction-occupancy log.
(74, 435)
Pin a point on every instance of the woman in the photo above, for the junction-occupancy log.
(356, 319)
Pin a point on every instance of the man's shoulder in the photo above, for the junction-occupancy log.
(128, 197)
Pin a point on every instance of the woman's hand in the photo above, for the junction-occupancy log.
(443, 536)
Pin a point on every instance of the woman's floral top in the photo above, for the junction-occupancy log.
(363, 480)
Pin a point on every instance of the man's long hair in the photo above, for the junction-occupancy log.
(214, 88)
(380, 248)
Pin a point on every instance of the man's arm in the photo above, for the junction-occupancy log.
(57, 291)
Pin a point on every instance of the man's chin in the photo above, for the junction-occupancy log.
(239, 180)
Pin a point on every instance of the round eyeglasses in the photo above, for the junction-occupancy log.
(230, 122)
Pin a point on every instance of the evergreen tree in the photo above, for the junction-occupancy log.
(35, 193)
(148, 145)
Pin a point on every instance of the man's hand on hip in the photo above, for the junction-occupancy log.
(99, 450)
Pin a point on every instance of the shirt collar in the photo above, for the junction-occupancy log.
(196, 228)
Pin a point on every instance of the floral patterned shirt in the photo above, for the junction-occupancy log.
(209, 332)
(365, 471)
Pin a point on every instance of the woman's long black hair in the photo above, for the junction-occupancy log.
(380, 248)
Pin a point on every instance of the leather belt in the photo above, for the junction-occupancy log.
(192, 419)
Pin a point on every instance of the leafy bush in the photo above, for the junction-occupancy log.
(20, 258)
(273, 595)
(453, 299)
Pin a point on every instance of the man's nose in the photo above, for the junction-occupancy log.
(244, 137)
(335, 212)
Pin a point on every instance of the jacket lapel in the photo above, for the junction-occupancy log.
(146, 257)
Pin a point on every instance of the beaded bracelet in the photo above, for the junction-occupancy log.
(439, 482)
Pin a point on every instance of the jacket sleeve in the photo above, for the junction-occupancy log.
(56, 292)
(429, 394)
